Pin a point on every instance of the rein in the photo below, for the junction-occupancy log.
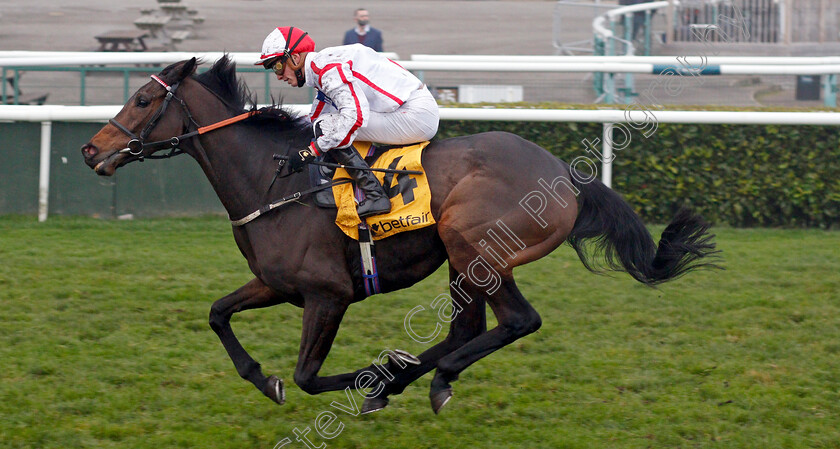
(137, 144)
(285, 200)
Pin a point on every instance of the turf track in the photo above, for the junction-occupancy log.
(104, 342)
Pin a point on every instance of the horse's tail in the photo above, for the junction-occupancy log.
(607, 225)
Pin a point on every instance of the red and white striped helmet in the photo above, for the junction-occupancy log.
(285, 41)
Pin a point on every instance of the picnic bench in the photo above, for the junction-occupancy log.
(176, 11)
(172, 23)
(196, 19)
(153, 24)
(179, 35)
(14, 82)
(179, 13)
(123, 40)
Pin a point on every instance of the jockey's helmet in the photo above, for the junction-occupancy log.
(282, 42)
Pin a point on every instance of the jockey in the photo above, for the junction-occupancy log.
(361, 94)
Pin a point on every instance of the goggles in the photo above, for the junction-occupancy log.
(278, 64)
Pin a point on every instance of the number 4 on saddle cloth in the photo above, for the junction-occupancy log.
(409, 193)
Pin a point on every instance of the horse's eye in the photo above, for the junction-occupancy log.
(142, 102)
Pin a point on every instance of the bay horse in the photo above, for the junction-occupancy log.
(491, 187)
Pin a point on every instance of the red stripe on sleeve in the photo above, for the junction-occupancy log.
(326, 68)
(318, 110)
(359, 118)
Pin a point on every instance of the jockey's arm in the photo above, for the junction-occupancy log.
(340, 129)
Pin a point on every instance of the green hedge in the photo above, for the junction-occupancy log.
(738, 175)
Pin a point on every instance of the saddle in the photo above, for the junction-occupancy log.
(409, 193)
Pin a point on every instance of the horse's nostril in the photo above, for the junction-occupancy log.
(89, 150)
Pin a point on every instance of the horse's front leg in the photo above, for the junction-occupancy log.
(253, 295)
(321, 319)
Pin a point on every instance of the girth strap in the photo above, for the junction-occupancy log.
(283, 201)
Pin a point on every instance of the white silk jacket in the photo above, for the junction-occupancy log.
(352, 81)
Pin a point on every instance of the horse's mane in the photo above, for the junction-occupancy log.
(221, 79)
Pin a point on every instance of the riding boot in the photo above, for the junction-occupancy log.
(376, 199)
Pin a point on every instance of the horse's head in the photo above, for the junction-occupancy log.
(142, 127)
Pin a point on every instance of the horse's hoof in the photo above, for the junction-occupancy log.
(403, 356)
(440, 399)
(374, 405)
(274, 390)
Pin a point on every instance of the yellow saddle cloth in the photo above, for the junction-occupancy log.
(410, 194)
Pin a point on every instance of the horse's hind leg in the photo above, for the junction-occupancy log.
(516, 319)
(469, 322)
(252, 295)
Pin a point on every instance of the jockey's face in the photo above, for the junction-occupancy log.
(288, 73)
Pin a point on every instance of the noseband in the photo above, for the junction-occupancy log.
(137, 144)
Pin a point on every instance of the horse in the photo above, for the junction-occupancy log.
(498, 202)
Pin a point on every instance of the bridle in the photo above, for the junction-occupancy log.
(137, 145)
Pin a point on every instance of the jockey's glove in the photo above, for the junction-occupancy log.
(299, 160)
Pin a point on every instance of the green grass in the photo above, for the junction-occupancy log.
(104, 343)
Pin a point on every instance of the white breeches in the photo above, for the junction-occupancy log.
(415, 120)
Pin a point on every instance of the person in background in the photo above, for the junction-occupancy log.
(363, 33)
(638, 17)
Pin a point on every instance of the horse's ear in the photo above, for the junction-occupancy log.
(187, 69)
(176, 72)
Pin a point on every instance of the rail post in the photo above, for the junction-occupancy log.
(830, 90)
(82, 86)
(44, 171)
(607, 153)
(126, 87)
